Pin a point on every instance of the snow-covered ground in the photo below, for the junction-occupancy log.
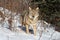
(48, 34)
(6, 34)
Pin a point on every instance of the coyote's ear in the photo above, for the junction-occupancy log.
(37, 8)
(29, 8)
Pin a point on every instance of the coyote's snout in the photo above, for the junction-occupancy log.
(31, 18)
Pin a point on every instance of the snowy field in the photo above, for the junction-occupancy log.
(6, 34)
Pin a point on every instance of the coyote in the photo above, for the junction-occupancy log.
(31, 18)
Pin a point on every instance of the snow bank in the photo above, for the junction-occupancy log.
(6, 34)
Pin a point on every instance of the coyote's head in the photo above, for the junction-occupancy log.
(33, 13)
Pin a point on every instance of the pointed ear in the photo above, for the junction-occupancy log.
(37, 8)
(29, 8)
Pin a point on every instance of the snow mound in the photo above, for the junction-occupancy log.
(6, 34)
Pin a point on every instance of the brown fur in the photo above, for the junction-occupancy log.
(31, 18)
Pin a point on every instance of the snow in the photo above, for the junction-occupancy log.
(19, 34)
(6, 34)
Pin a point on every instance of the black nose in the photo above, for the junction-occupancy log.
(32, 16)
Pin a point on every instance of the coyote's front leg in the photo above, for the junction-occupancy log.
(34, 29)
(27, 29)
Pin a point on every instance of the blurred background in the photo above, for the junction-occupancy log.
(49, 9)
